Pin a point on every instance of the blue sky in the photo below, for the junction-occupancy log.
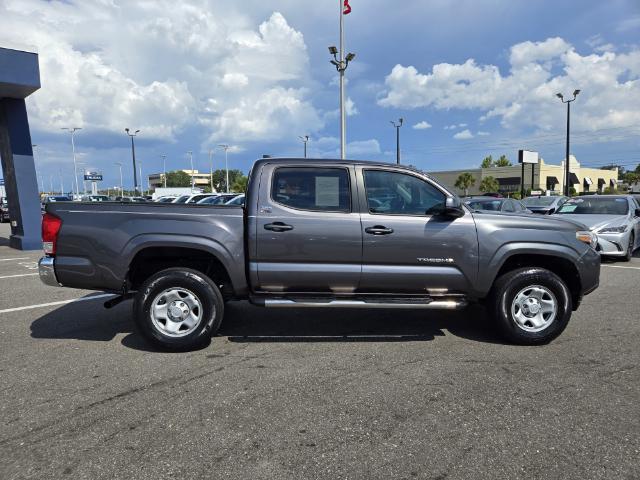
(479, 75)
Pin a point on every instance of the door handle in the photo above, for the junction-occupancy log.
(379, 230)
(278, 227)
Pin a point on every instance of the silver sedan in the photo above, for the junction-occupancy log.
(614, 218)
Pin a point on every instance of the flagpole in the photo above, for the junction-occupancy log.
(343, 123)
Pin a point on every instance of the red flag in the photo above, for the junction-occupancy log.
(347, 8)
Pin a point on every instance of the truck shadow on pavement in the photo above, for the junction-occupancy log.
(245, 323)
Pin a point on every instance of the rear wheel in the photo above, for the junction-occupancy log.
(531, 306)
(178, 309)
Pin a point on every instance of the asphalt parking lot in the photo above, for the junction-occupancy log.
(306, 394)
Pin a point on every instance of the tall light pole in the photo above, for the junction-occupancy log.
(73, 130)
(397, 127)
(225, 147)
(305, 139)
(191, 163)
(211, 168)
(341, 63)
(133, 156)
(119, 165)
(61, 183)
(84, 183)
(164, 169)
(51, 182)
(567, 180)
(141, 178)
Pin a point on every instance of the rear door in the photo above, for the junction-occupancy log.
(308, 234)
(408, 247)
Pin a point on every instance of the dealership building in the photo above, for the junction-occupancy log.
(546, 177)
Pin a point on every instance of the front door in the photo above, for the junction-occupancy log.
(308, 230)
(408, 245)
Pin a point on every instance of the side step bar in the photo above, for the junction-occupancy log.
(440, 304)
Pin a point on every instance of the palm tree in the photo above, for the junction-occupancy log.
(489, 184)
(464, 181)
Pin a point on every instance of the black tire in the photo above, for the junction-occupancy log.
(202, 288)
(509, 285)
(629, 254)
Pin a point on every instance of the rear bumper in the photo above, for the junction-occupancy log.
(47, 272)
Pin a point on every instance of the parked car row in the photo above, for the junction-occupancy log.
(615, 219)
(205, 199)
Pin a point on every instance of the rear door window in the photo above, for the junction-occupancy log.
(313, 189)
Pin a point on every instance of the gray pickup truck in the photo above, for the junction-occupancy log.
(322, 234)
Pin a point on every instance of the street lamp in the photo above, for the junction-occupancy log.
(119, 165)
(191, 163)
(211, 168)
(305, 139)
(133, 155)
(164, 169)
(341, 63)
(72, 131)
(84, 183)
(566, 166)
(397, 127)
(225, 147)
(141, 178)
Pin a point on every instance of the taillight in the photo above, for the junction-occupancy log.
(50, 228)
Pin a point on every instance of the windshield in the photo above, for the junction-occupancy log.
(491, 204)
(182, 199)
(595, 206)
(538, 201)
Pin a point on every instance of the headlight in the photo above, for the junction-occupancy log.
(621, 229)
(589, 238)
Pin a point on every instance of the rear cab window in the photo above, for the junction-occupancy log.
(313, 189)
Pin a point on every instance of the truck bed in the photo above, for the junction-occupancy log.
(98, 241)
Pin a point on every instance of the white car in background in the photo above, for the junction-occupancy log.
(614, 218)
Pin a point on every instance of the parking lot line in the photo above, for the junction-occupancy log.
(620, 266)
(11, 259)
(19, 275)
(52, 304)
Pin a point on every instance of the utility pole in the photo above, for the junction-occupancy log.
(51, 182)
(164, 169)
(73, 130)
(341, 62)
(121, 186)
(191, 163)
(211, 168)
(225, 147)
(141, 178)
(397, 127)
(305, 139)
(567, 180)
(61, 183)
(133, 156)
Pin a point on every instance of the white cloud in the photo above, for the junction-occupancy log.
(629, 23)
(363, 147)
(350, 107)
(610, 84)
(162, 67)
(329, 147)
(463, 135)
(454, 126)
(423, 125)
(483, 134)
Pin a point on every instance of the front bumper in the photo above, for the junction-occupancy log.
(614, 244)
(589, 271)
(47, 272)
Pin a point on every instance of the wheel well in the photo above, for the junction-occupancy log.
(562, 267)
(151, 260)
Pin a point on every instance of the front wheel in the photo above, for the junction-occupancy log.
(627, 257)
(178, 309)
(531, 306)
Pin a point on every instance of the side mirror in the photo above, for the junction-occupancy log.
(453, 207)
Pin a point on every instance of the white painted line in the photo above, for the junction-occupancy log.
(53, 304)
(20, 275)
(12, 259)
(620, 266)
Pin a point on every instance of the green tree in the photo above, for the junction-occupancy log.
(178, 178)
(220, 178)
(239, 185)
(503, 161)
(487, 162)
(489, 184)
(464, 181)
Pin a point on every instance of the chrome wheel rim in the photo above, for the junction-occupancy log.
(534, 308)
(176, 312)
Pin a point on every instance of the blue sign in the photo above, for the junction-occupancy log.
(93, 177)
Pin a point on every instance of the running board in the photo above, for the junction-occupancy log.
(439, 304)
